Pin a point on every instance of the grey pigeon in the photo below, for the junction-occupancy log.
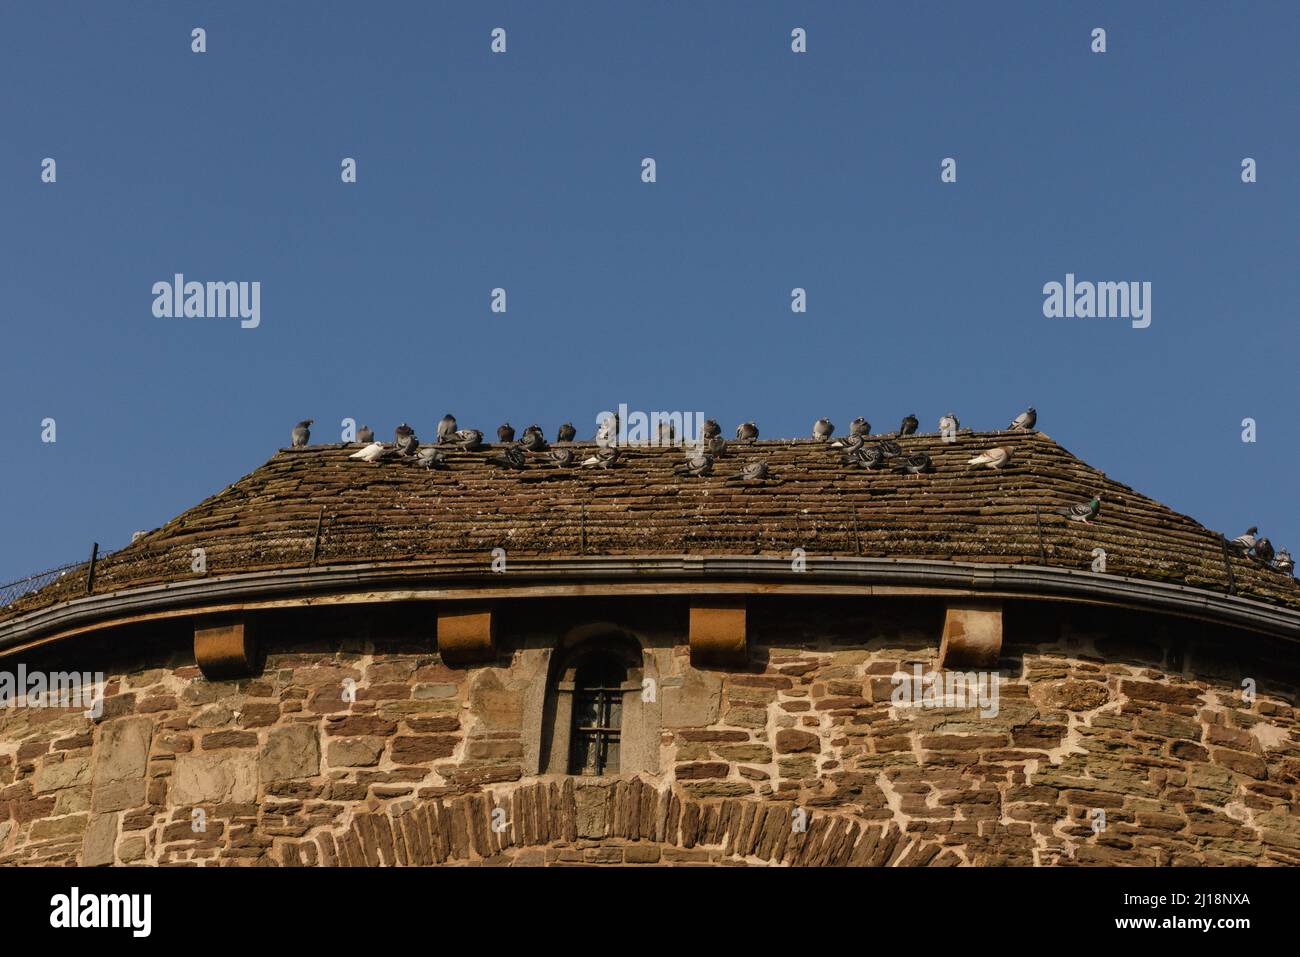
(561, 458)
(567, 433)
(890, 449)
(860, 426)
(747, 432)
(909, 425)
(301, 433)
(948, 424)
(993, 458)
(823, 429)
(1264, 551)
(698, 465)
(754, 470)
(469, 439)
(606, 457)
(868, 457)
(1246, 542)
(1024, 421)
(430, 458)
(534, 440)
(1284, 562)
(505, 433)
(1084, 512)
(850, 444)
(716, 446)
(511, 457)
(365, 435)
(710, 428)
(447, 428)
(405, 441)
(916, 464)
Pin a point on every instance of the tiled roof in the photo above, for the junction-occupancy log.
(393, 512)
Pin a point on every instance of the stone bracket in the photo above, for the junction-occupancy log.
(467, 633)
(225, 647)
(718, 633)
(972, 634)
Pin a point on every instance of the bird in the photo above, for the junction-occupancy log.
(710, 428)
(561, 458)
(948, 424)
(370, 453)
(1024, 421)
(1246, 542)
(667, 434)
(567, 433)
(908, 426)
(716, 446)
(868, 457)
(607, 431)
(1264, 551)
(511, 457)
(404, 439)
(1283, 562)
(534, 440)
(860, 426)
(1084, 512)
(468, 439)
(754, 470)
(365, 435)
(916, 464)
(698, 465)
(430, 458)
(889, 448)
(747, 431)
(301, 433)
(447, 428)
(851, 443)
(606, 457)
(993, 458)
(505, 433)
(823, 429)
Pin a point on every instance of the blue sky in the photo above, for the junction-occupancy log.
(522, 171)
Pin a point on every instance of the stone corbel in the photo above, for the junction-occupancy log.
(718, 633)
(466, 633)
(972, 634)
(225, 647)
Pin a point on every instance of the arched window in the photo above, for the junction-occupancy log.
(598, 687)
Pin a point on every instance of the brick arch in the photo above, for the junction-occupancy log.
(575, 820)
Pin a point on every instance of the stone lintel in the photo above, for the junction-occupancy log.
(718, 633)
(225, 646)
(972, 634)
(466, 632)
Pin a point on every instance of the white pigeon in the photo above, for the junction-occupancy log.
(948, 424)
(371, 452)
(1247, 541)
(993, 458)
(607, 433)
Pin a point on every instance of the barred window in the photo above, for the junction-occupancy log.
(597, 715)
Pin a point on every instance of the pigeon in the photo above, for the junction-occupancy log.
(747, 431)
(511, 457)
(567, 433)
(1247, 541)
(698, 465)
(754, 470)
(716, 446)
(430, 458)
(710, 428)
(561, 458)
(889, 448)
(607, 433)
(850, 444)
(993, 458)
(667, 434)
(1264, 551)
(534, 440)
(948, 424)
(469, 439)
(505, 433)
(916, 464)
(1084, 512)
(1024, 421)
(606, 457)
(823, 429)
(447, 428)
(405, 440)
(908, 426)
(365, 435)
(1283, 562)
(370, 453)
(868, 457)
(301, 433)
(860, 426)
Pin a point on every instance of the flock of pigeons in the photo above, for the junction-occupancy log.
(855, 449)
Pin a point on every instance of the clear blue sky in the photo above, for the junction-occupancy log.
(522, 170)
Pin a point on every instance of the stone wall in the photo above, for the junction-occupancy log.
(800, 759)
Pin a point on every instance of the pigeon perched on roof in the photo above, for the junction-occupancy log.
(993, 458)
(1264, 551)
(370, 453)
(511, 457)
(868, 457)
(754, 470)
(1024, 421)
(404, 439)
(747, 432)
(606, 457)
(567, 433)
(716, 446)
(365, 435)
(1284, 562)
(534, 440)
(948, 424)
(860, 426)
(916, 464)
(667, 433)
(710, 428)
(447, 428)
(1084, 512)
(505, 433)
(909, 425)
(1246, 542)
(301, 433)
(469, 439)
(850, 444)
(430, 458)
(698, 465)
(607, 431)
(890, 449)
(823, 429)
(560, 458)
